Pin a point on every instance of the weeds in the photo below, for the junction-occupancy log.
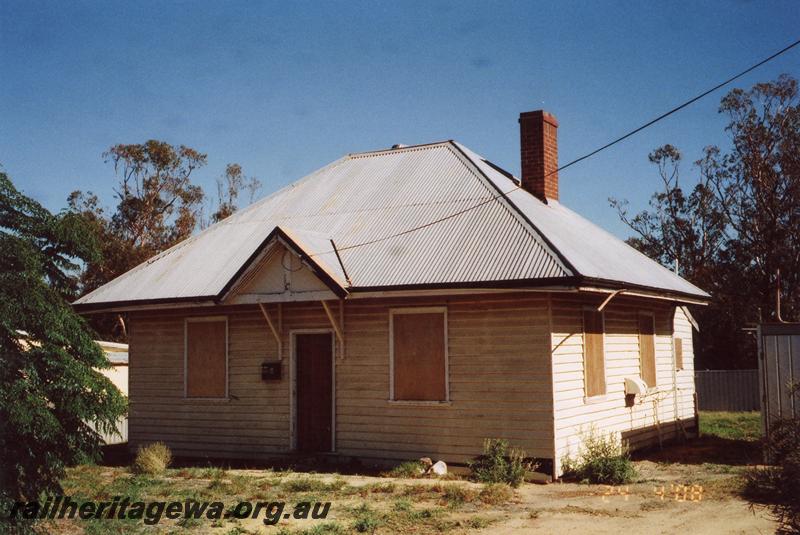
(496, 494)
(778, 485)
(367, 520)
(603, 460)
(403, 505)
(456, 495)
(381, 488)
(408, 469)
(310, 484)
(326, 528)
(478, 522)
(500, 463)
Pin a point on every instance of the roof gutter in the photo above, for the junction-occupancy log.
(554, 284)
(144, 304)
(677, 297)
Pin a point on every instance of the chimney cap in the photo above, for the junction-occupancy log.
(539, 114)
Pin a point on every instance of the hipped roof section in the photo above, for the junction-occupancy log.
(367, 203)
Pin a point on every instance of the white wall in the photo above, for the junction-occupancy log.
(650, 415)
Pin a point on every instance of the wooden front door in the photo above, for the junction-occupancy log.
(314, 391)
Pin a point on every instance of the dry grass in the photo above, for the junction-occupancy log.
(496, 494)
(400, 505)
(152, 459)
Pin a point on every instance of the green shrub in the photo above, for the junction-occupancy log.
(779, 485)
(152, 459)
(500, 463)
(407, 469)
(603, 459)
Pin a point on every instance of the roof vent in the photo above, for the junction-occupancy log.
(399, 146)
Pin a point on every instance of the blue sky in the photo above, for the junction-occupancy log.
(283, 88)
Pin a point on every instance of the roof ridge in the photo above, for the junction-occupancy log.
(405, 148)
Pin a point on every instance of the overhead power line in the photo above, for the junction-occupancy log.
(576, 160)
(679, 108)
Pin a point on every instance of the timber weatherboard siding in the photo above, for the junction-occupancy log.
(575, 414)
(510, 376)
(499, 373)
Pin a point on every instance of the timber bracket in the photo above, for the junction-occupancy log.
(275, 328)
(338, 325)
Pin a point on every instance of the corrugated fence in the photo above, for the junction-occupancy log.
(727, 390)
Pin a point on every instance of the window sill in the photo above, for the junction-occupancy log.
(212, 400)
(419, 403)
(596, 399)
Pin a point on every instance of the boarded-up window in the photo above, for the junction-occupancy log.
(647, 349)
(418, 352)
(206, 358)
(679, 353)
(594, 366)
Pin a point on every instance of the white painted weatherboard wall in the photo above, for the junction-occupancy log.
(574, 414)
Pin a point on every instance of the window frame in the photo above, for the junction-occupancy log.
(205, 319)
(419, 310)
(594, 397)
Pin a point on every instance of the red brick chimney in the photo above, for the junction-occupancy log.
(538, 134)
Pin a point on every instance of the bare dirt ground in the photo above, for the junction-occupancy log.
(694, 487)
(676, 499)
(668, 499)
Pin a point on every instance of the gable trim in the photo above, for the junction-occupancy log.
(279, 234)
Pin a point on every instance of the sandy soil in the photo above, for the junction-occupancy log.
(572, 508)
(670, 498)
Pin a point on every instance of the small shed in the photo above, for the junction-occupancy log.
(117, 355)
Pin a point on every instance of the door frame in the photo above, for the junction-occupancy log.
(293, 384)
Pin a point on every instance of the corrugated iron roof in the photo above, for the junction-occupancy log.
(368, 202)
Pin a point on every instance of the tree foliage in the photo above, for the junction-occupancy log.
(157, 206)
(229, 187)
(739, 222)
(50, 390)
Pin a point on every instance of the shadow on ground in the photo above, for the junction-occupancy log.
(118, 455)
(705, 449)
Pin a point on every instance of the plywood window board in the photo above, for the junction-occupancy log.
(594, 368)
(647, 348)
(418, 352)
(206, 363)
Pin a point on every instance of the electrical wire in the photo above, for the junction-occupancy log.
(576, 160)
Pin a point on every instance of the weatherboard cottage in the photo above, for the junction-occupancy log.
(402, 303)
